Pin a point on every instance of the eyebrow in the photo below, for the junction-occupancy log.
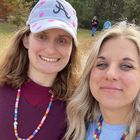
(68, 36)
(101, 57)
(128, 59)
(125, 59)
(61, 35)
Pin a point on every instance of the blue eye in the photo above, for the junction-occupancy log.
(126, 67)
(102, 66)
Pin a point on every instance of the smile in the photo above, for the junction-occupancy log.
(49, 59)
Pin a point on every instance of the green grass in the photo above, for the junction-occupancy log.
(84, 33)
(85, 40)
(6, 33)
(7, 28)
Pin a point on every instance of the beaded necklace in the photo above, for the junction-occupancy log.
(97, 132)
(15, 124)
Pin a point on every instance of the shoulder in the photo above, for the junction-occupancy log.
(7, 98)
(90, 130)
(60, 106)
(6, 91)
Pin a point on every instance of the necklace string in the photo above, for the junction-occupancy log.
(98, 130)
(15, 124)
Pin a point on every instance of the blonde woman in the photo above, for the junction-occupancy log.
(106, 104)
(37, 74)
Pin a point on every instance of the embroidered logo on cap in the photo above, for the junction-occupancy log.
(59, 8)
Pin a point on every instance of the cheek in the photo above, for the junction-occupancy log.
(66, 52)
(34, 46)
(94, 78)
(131, 79)
(131, 83)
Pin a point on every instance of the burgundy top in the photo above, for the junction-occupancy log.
(33, 102)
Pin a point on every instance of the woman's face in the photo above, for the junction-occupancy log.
(115, 79)
(49, 52)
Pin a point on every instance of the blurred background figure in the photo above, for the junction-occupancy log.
(94, 25)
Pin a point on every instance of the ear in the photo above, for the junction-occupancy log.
(25, 41)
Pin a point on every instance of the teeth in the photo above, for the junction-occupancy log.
(48, 59)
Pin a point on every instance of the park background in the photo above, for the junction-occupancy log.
(13, 15)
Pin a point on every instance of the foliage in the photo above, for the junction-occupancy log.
(5, 9)
(6, 28)
(132, 9)
(114, 10)
(16, 11)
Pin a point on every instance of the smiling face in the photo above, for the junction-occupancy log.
(115, 79)
(49, 52)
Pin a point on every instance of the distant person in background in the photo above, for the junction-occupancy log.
(107, 25)
(94, 25)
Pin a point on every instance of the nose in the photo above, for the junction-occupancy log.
(112, 74)
(50, 47)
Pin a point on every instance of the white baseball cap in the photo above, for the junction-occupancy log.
(48, 14)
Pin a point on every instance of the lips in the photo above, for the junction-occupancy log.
(110, 88)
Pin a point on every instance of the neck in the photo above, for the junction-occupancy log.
(116, 116)
(45, 80)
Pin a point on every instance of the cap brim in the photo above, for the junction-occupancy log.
(46, 24)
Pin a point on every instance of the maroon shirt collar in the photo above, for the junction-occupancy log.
(35, 94)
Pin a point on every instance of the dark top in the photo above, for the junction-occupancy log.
(94, 23)
(33, 102)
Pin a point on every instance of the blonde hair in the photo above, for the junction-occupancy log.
(14, 67)
(82, 107)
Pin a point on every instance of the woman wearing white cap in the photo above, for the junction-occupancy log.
(37, 74)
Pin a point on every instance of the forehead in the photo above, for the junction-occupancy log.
(119, 46)
(55, 31)
(61, 31)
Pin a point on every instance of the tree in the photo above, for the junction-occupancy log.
(132, 10)
(114, 10)
(5, 9)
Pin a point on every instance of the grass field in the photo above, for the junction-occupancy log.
(6, 33)
(84, 38)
